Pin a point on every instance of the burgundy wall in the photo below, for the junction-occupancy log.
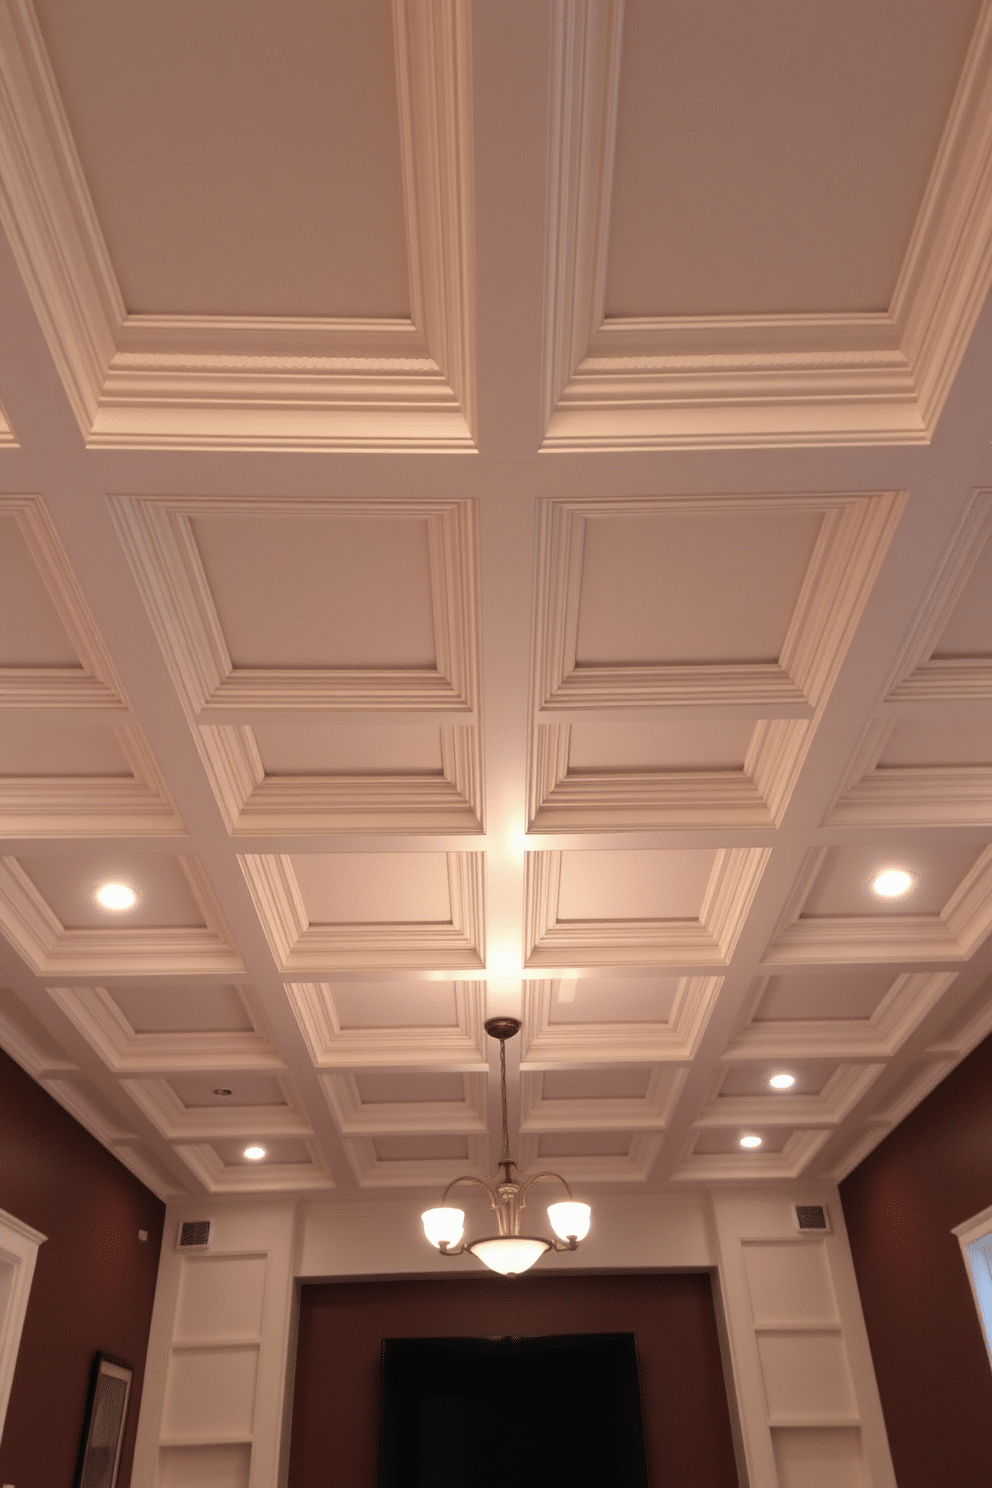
(687, 1435)
(93, 1285)
(932, 1173)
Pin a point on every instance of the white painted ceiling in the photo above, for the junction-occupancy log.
(495, 517)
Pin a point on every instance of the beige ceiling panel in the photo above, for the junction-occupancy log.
(394, 1030)
(920, 771)
(304, 751)
(621, 1098)
(240, 1118)
(610, 1000)
(409, 1087)
(856, 1015)
(429, 908)
(69, 886)
(44, 747)
(843, 885)
(733, 115)
(314, 85)
(654, 908)
(202, 1092)
(238, 1041)
(415, 1161)
(51, 653)
(161, 544)
(680, 745)
(289, 1166)
(846, 996)
(26, 1040)
(715, 1156)
(660, 1028)
(675, 338)
(343, 319)
(944, 740)
(823, 1095)
(184, 1009)
(590, 1157)
(398, 1103)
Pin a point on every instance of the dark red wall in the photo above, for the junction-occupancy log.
(93, 1285)
(932, 1173)
(684, 1399)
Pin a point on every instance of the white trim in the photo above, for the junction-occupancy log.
(971, 1230)
(18, 1253)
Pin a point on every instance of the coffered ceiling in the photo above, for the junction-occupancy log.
(495, 517)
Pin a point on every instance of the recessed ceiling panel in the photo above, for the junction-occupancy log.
(715, 1140)
(431, 1148)
(277, 1150)
(244, 158)
(810, 1076)
(349, 749)
(837, 995)
(189, 1009)
(393, 1087)
(371, 888)
(395, 1004)
(650, 885)
(69, 885)
(688, 744)
(207, 1092)
(39, 747)
(624, 1082)
(584, 1144)
(691, 588)
(320, 592)
(968, 631)
(843, 884)
(965, 740)
(633, 1000)
(771, 157)
(31, 633)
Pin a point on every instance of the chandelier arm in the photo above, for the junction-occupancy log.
(536, 1178)
(479, 1183)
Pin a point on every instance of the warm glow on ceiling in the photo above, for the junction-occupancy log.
(750, 1141)
(782, 1081)
(116, 896)
(892, 882)
(255, 1153)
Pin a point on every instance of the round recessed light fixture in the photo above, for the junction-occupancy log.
(782, 1081)
(255, 1153)
(892, 882)
(222, 1090)
(116, 896)
(750, 1141)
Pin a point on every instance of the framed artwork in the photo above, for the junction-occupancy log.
(103, 1426)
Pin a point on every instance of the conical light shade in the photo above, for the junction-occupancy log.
(509, 1254)
(570, 1221)
(443, 1225)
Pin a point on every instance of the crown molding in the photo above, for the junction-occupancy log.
(548, 1045)
(93, 1012)
(854, 537)
(156, 1099)
(94, 684)
(733, 1167)
(158, 538)
(299, 946)
(257, 805)
(458, 1046)
(244, 383)
(72, 1097)
(842, 1092)
(910, 999)
(706, 941)
(750, 381)
(357, 1118)
(371, 1172)
(218, 1177)
(918, 796)
(650, 1112)
(29, 1053)
(163, 1185)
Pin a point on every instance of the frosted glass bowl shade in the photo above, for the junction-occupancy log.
(510, 1255)
(570, 1221)
(443, 1225)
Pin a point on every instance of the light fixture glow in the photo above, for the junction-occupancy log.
(782, 1081)
(116, 896)
(892, 882)
(750, 1141)
(254, 1153)
(508, 1252)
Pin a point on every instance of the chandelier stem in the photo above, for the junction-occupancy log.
(506, 1158)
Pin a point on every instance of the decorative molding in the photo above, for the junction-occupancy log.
(18, 1254)
(749, 381)
(737, 1167)
(842, 1092)
(158, 538)
(852, 542)
(94, 683)
(372, 1172)
(271, 1177)
(65, 806)
(253, 383)
(71, 1095)
(163, 1185)
(650, 1112)
(27, 1049)
(548, 1045)
(952, 935)
(299, 946)
(918, 796)
(358, 1118)
(8, 440)
(40, 938)
(910, 999)
(156, 1099)
(458, 1046)
(919, 677)
(706, 941)
(927, 1078)
(633, 1167)
(93, 1012)
(259, 805)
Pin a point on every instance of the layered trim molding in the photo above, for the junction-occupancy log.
(160, 543)
(877, 795)
(546, 1044)
(259, 805)
(751, 381)
(747, 1167)
(299, 946)
(456, 1046)
(94, 1013)
(243, 383)
(842, 1092)
(633, 1166)
(953, 935)
(853, 539)
(650, 1112)
(371, 1171)
(138, 805)
(358, 1118)
(706, 941)
(156, 1098)
(217, 1177)
(94, 683)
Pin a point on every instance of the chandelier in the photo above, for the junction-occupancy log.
(507, 1252)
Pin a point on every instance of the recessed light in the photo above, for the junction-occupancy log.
(782, 1081)
(116, 896)
(750, 1141)
(222, 1090)
(254, 1153)
(892, 882)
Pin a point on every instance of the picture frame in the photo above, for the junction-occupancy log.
(103, 1425)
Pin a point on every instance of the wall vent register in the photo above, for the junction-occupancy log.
(812, 1218)
(195, 1234)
